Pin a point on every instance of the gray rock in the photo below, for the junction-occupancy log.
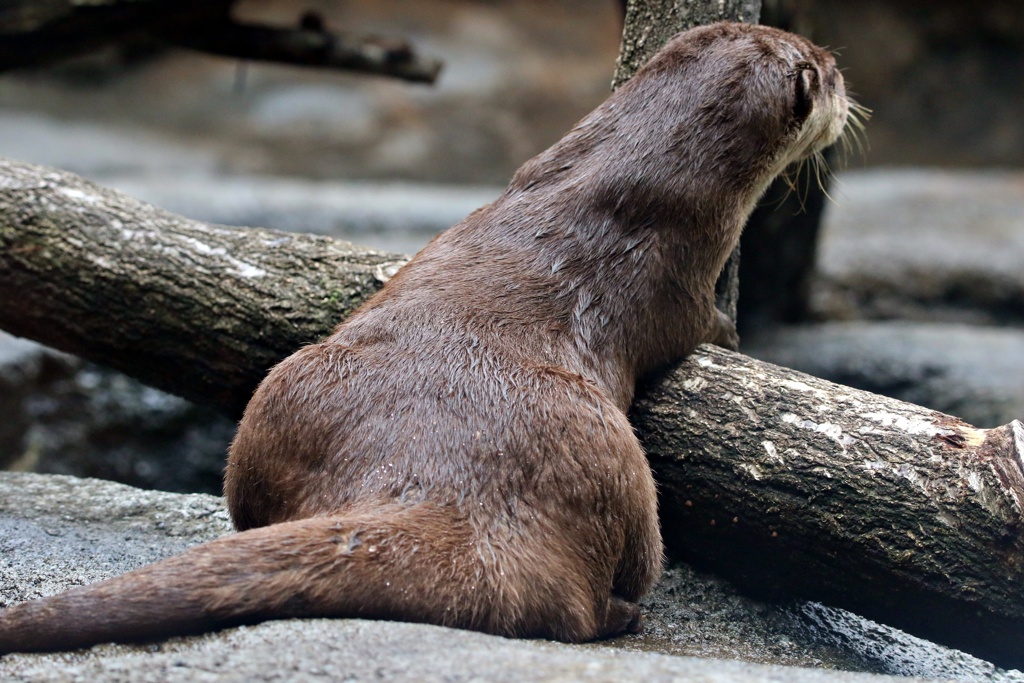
(971, 372)
(65, 416)
(23, 364)
(94, 149)
(58, 532)
(924, 245)
(354, 650)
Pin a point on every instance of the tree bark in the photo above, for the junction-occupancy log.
(792, 486)
(198, 310)
(788, 484)
(650, 23)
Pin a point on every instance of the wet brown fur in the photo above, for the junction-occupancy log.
(458, 452)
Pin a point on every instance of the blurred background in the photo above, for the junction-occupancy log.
(916, 290)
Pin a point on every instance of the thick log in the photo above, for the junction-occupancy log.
(796, 487)
(788, 484)
(198, 310)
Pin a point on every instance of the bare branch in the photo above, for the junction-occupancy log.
(34, 33)
(311, 45)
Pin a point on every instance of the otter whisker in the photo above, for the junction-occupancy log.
(807, 165)
(854, 132)
(788, 176)
(824, 172)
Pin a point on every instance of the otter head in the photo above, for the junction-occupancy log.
(816, 99)
(726, 107)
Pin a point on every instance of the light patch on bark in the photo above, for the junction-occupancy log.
(990, 499)
(801, 387)
(704, 361)
(910, 474)
(772, 451)
(203, 248)
(101, 261)
(1018, 440)
(753, 470)
(127, 234)
(241, 268)
(912, 426)
(829, 429)
(383, 272)
(694, 384)
(78, 195)
(245, 269)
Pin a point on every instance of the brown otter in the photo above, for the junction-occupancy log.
(458, 451)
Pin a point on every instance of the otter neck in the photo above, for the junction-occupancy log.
(632, 292)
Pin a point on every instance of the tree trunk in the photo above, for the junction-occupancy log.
(771, 285)
(650, 23)
(779, 242)
(788, 484)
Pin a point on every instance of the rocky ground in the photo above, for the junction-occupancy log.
(58, 532)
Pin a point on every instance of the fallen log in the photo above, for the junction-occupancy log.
(198, 310)
(790, 485)
(793, 486)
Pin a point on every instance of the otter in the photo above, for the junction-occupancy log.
(458, 451)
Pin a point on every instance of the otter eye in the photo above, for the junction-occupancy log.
(805, 83)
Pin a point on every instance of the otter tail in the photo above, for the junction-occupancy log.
(414, 563)
(391, 563)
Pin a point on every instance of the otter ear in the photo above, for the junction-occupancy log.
(805, 85)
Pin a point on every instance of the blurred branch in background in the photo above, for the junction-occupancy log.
(37, 32)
